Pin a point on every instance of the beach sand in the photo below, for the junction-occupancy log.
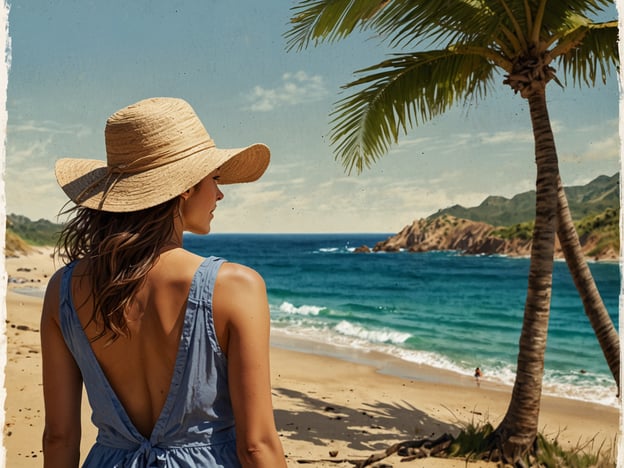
(322, 404)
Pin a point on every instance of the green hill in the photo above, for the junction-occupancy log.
(38, 233)
(592, 199)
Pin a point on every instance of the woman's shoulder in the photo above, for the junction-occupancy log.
(52, 295)
(239, 293)
(238, 287)
(54, 283)
(239, 275)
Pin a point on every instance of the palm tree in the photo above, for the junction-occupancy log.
(585, 285)
(472, 43)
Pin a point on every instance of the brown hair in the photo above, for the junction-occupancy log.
(120, 249)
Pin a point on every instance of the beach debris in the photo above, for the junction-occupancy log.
(412, 449)
(408, 450)
(22, 327)
(20, 280)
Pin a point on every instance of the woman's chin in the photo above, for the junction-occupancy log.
(199, 232)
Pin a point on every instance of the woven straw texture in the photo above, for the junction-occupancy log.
(155, 150)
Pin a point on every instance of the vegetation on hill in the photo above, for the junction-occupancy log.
(523, 231)
(602, 230)
(594, 198)
(22, 233)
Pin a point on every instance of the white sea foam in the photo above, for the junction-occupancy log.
(289, 308)
(594, 388)
(32, 291)
(328, 249)
(427, 358)
(349, 336)
(374, 336)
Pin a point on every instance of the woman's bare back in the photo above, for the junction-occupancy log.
(140, 368)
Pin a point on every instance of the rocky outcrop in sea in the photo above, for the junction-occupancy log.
(471, 238)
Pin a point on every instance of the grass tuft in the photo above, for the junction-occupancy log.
(474, 443)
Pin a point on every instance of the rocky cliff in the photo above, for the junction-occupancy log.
(475, 238)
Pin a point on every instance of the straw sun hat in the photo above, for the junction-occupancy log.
(155, 150)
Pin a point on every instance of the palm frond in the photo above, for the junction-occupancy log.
(517, 21)
(401, 22)
(589, 53)
(400, 93)
(408, 22)
(560, 15)
(328, 20)
(579, 7)
(537, 21)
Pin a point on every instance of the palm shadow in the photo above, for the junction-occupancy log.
(368, 427)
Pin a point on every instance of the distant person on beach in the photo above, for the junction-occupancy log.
(477, 375)
(173, 348)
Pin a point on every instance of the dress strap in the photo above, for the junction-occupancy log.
(65, 297)
(205, 277)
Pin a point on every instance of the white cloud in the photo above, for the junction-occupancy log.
(458, 142)
(31, 149)
(505, 137)
(47, 127)
(610, 125)
(296, 88)
(605, 149)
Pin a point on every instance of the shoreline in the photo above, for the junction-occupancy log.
(383, 363)
(352, 401)
(387, 364)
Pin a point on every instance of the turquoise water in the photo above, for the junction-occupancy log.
(441, 309)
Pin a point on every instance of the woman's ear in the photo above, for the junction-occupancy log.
(185, 195)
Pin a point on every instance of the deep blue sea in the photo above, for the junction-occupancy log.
(440, 309)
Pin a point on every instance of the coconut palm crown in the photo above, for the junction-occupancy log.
(469, 43)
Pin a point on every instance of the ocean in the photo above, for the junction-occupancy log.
(439, 309)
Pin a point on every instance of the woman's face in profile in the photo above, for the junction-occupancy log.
(198, 207)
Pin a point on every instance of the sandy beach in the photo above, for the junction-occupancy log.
(322, 404)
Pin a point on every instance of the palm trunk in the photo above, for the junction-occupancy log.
(584, 281)
(517, 432)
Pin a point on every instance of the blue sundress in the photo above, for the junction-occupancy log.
(196, 425)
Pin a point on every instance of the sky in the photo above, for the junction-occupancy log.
(75, 62)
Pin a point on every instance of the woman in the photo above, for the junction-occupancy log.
(173, 349)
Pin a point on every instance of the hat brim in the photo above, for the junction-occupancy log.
(89, 183)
